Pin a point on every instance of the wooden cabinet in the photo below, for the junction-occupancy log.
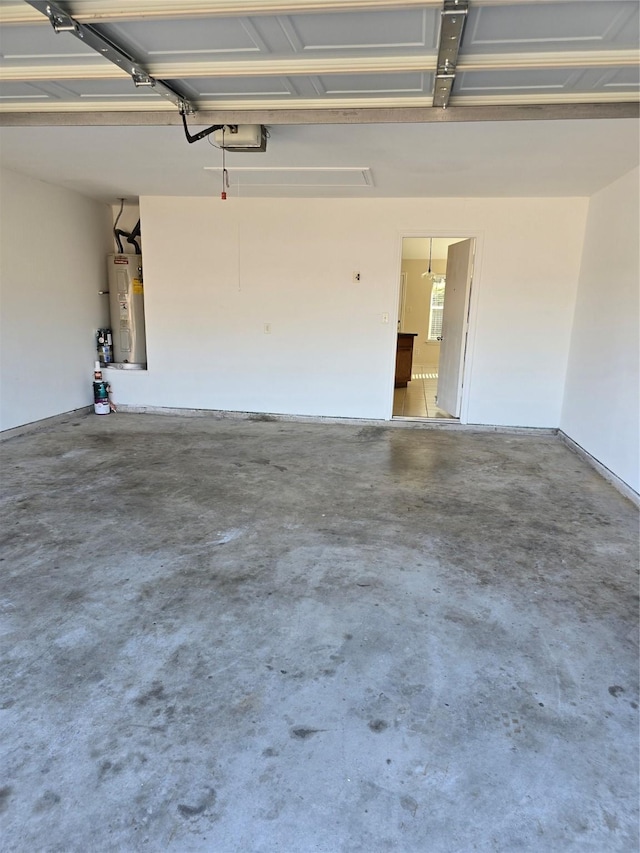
(404, 358)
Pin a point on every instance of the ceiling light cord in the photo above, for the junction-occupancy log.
(225, 175)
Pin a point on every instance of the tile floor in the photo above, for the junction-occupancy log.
(418, 399)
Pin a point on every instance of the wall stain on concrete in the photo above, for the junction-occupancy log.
(5, 793)
(206, 803)
(155, 692)
(302, 733)
(47, 801)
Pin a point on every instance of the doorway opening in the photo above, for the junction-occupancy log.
(433, 319)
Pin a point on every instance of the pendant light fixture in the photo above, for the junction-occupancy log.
(428, 272)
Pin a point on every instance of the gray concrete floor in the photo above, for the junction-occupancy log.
(265, 636)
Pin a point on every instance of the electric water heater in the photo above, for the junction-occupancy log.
(126, 300)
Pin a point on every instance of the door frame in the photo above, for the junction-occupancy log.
(467, 371)
(402, 294)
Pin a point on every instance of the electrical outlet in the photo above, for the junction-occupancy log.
(355, 277)
(267, 328)
(385, 317)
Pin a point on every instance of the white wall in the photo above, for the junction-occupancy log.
(602, 407)
(52, 263)
(216, 272)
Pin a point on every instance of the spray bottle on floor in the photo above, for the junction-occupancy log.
(101, 403)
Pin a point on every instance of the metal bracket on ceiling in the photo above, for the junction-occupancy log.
(454, 15)
(62, 22)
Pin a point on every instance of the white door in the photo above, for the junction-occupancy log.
(455, 318)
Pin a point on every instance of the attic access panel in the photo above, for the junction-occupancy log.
(300, 177)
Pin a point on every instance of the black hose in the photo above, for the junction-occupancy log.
(116, 232)
(194, 137)
(132, 238)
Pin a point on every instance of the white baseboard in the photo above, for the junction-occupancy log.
(624, 488)
(401, 423)
(45, 423)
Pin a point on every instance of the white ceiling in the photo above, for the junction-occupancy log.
(275, 55)
(485, 159)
